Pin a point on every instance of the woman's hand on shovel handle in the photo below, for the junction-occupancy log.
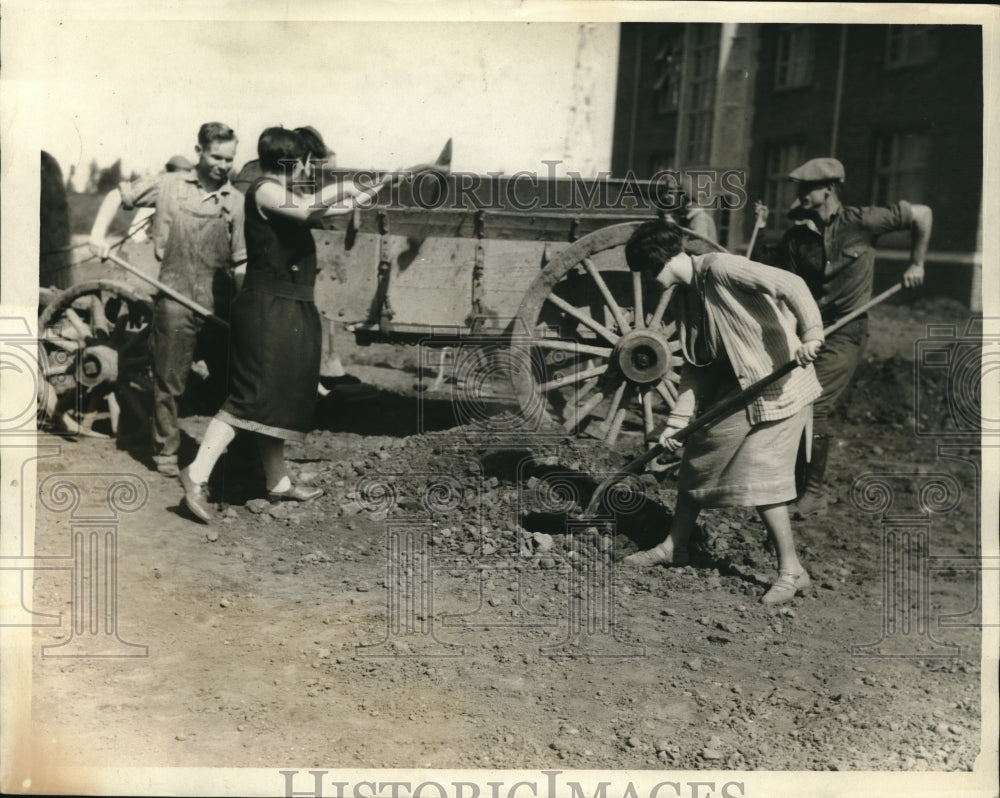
(808, 352)
(667, 440)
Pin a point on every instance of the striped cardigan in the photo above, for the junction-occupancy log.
(759, 315)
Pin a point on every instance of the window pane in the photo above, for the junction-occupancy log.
(793, 62)
(900, 164)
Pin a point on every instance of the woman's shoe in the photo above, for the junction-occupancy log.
(786, 587)
(196, 497)
(296, 493)
(664, 554)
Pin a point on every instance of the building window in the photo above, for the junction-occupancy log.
(906, 45)
(779, 192)
(793, 64)
(699, 117)
(900, 163)
(669, 63)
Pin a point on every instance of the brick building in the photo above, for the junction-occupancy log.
(901, 106)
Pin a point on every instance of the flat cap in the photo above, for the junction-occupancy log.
(817, 170)
(179, 164)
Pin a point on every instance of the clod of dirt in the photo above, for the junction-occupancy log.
(713, 750)
(257, 506)
(211, 536)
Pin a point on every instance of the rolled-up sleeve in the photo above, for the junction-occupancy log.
(686, 403)
(140, 193)
(887, 220)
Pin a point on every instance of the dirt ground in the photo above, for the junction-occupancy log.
(441, 606)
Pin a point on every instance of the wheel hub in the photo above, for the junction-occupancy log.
(643, 356)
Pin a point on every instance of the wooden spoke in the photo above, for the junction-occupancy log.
(78, 324)
(583, 318)
(616, 400)
(571, 379)
(578, 414)
(571, 346)
(616, 311)
(648, 425)
(667, 391)
(98, 319)
(661, 308)
(619, 416)
(68, 345)
(584, 390)
(640, 314)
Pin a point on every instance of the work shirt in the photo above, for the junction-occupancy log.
(698, 221)
(837, 259)
(173, 192)
(758, 315)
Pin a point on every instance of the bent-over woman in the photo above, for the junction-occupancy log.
(738, 321)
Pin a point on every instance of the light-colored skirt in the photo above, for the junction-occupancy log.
(736, 464)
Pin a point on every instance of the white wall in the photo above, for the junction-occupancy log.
(383, 94)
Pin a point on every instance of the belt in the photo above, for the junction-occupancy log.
(282, 288)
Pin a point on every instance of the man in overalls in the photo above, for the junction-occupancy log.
(198, 240)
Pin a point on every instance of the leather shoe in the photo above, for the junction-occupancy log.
(786, 587)
(195, 499)
(664, 554)
(296, 493)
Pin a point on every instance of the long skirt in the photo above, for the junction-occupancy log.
(735, 463)
(276, 345)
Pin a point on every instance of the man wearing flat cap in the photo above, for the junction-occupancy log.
(832, 247)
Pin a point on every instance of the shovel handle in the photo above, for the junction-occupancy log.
(170, 292)
(751, 392)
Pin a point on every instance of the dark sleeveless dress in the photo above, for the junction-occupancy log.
(276, 334)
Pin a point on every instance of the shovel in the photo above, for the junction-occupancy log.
(724, 408)
(170, 292)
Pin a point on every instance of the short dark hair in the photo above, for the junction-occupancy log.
(314, 142)
(215, 131)
(652, 245)
(277, 146)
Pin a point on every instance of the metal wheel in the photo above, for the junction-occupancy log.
(597, 353)
(93, 337)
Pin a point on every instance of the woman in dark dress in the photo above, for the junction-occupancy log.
(276, 334)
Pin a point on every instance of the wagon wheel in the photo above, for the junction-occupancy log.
(595, 350)
(92, 338)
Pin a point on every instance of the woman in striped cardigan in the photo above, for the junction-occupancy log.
(738, 321)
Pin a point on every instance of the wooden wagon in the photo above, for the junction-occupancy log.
(529, 269)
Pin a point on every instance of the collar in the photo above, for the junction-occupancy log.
(834, 214)
(192, 177)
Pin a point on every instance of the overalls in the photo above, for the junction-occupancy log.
(197, 247)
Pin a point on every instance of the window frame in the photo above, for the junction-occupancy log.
(900, 178)
(780, 157)
(791, 57)
(908, 57)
